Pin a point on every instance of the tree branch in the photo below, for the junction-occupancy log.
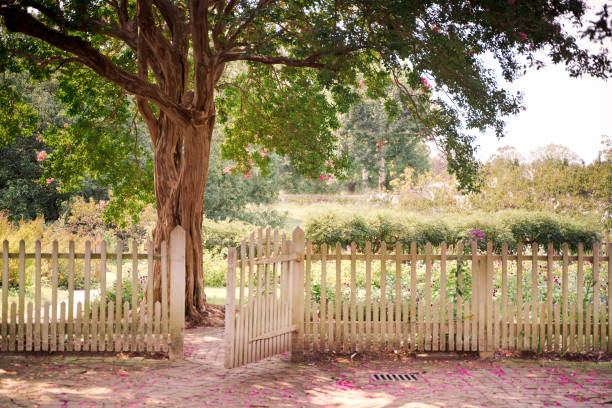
(18, 20)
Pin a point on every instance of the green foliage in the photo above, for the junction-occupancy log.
(282, 109)
(372, 132)
(322, 48)
(228, 191)
(555, 179)
(510, 227)
(126, 291)
(105, 142)
(217, 235)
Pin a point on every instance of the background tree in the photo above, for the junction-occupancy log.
(303, 59)
(380, 142)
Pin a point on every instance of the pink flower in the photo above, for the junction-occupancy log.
(435, 28)
(531, 46)
(103, 204)
(247, 148)
(329, 163)
(361, 82)
(320, 177)
(522, 35)
(250, 161)
(524, 108)
(425, 83)
(248, 174)
(50, 180)
(228, 169)
(335, 81)
(42, 155)
(264, 152)
(39, 139)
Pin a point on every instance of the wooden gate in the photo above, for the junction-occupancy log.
(266, 316)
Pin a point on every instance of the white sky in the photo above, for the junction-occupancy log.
(574, 112)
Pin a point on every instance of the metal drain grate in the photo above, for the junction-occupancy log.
(394, 377)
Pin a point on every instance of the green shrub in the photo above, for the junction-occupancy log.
(510, 227)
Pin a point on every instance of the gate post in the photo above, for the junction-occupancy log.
(297, 296)
(230, 308)
(177, 292)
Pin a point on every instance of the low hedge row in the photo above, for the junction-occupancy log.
(510, 227)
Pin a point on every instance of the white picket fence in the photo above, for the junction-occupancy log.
(96, 325)
(484, 308)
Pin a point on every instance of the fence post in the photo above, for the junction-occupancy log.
(297, 297)
(230, 308)
(177, 292)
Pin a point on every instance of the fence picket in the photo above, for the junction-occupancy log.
(451, 327)
(30, 318)
(504, 299)
(564, 283)
(93, 344)
(103, 304)
(53, 339)
(135, 285)
(609, 255)
(383, 295)
(86, 303)
(37, 296)
(580, 300)
(353, 297)
(413, 295)
(62, 338)
(5, 278)
(596, 285)
(475, 297)
(330, 332)
(44, 336)
(118, 295)
(534, 294)
(549, 299)
(338, 296)
(323, 303)
(368, 296)
(375, 327)
(21, 322)
(70, 295)
(436, 326)
(488, 275)
(519, 295)
(398, 295)
(443, 325)
(587, 328)
(572, 328)
(13, 328)
(78, 330)
(428, 311)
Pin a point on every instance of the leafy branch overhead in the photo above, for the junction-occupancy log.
(147, 47)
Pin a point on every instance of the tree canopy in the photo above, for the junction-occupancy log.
(278, 73)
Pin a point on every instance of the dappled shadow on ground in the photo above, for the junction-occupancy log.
(321, 381)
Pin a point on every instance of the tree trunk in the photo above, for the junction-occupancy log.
(181, 169)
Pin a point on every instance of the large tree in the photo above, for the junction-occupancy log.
(301, 61)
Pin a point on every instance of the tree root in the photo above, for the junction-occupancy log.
(214, 315)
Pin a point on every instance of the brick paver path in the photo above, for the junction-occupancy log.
(201, 381)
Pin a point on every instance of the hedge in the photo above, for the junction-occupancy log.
(510, 227)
